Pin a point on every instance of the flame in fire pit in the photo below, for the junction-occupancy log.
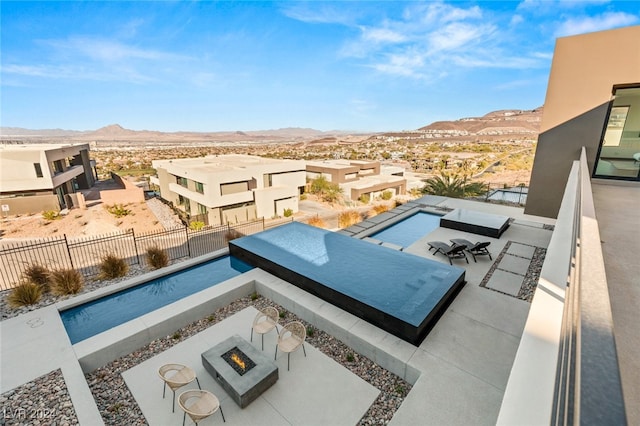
(235, 358)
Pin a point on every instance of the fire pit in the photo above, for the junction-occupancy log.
(242, 370)
(238, 361)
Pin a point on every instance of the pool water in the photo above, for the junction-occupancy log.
(394, 290)
(110, 311)
(409, 230)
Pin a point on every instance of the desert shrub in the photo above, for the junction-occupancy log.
(157, 257)
(118, 210)
(37, 274)
(317, 222)
(196, 225)
(51, 215)
(377, 209)
(66, 281)
(303, 197)
(364, 198)
(287, 212)
(25, 293)
(111, 266)
(386, 195)
(348, 218)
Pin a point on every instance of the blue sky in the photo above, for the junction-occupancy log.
(214, 66)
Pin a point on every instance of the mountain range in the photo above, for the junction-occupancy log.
(493, 123)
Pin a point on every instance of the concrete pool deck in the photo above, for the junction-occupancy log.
(466, 357)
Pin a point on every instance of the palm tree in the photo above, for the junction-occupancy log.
(452, 185)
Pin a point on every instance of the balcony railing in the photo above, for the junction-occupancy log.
(566, 369)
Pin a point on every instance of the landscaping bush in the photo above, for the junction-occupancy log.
(112, 267)
(348, 218)
(317, 222)
(25, 293)
(386, 195)
(377, 209)
(66, 281)
(50, 215)
(157, 257)
(37, 274)
(364, 198)
(118, 210)
(196, 225)
(288, 212)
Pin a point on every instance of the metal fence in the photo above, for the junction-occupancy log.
(86, 253)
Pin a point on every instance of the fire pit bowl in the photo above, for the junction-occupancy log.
(243, 371)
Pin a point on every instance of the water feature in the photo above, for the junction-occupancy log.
(409, 230)
(89, 319)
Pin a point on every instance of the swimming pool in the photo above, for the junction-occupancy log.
(409, 230)
(89, 319)
(399, 292)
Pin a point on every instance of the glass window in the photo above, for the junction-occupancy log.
(619, 152)
(182, 181)
(200, 187)
(38, 169)
(202, 209)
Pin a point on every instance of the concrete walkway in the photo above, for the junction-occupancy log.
(618, 214)
(458, 373)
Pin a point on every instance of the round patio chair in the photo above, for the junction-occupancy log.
(265, 321)
(199, 404)
(176, 376)
(290, 339)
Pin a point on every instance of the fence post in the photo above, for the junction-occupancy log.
(135, 245)
(66, 244)
(186, 232)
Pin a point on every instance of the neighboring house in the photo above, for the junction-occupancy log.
(593, 100)
(231, 188)
(37, 177)
(358, 178)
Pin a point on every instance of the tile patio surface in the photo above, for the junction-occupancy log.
(458, 373)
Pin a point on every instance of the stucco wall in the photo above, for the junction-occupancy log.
(583, 72)
(128, 194)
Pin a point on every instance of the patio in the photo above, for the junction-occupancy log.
(316, 391)
(466, 357)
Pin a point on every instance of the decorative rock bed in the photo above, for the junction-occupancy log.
(117, 405)
(43, 401)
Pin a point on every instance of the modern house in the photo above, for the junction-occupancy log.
(358, 178)
(37, 177)
(579, 348)
(593, 101)
(231, 188)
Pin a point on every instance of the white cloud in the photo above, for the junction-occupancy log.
(319, 14)
(105, 50)
(590, 24)
(457, 35)
(382, 35)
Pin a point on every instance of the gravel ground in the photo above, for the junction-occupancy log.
(43, 401)
(7, 311)
(530, 281)
(118, 407)
(167, 218)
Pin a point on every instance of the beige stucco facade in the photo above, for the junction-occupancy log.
(357, 178)
(231, 188)
(584, 71)
(37, 177)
